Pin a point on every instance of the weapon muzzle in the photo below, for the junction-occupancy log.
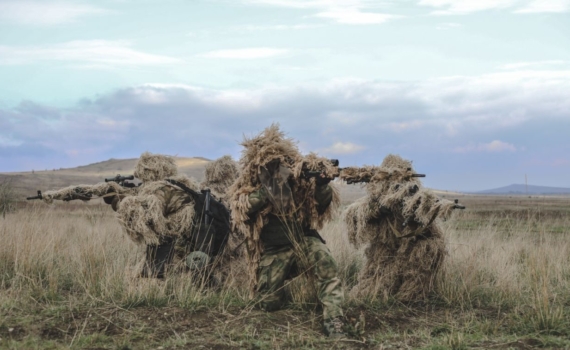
(39, 196)
(457, 205)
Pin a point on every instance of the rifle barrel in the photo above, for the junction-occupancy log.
(38, 196)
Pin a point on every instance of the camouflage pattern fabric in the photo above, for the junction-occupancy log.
(275, 267)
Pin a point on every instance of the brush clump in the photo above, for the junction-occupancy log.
(398, 221)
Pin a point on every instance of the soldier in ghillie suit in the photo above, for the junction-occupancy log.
(219, 175)
(398, 220)
(278, 210)
(167, 214)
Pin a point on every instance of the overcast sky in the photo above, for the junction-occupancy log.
(475, 92)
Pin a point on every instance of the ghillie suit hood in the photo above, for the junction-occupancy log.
(270, 145)
(155, 167)
(398, 220)
(220, 174)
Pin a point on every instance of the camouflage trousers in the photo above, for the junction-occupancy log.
(275, 267)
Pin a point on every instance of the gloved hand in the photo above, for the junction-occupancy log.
(322, 180)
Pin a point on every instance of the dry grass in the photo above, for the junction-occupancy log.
(67, 279)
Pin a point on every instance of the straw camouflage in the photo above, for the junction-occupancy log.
(278, 211)
(398, 220)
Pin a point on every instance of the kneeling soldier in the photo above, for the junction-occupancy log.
(279, 210)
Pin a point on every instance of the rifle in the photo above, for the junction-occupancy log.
(39, 196)
(213, 236)
(212, 208)
(457, 205)
(367, 177)
(121, 180)
(84, 196)
(319, 175)
(87, 192)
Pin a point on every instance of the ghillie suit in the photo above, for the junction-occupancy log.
(398, 220)
(219, 175)
(111, 192)
(168, 215)
(278, 211)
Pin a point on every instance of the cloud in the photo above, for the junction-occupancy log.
(505, 116)
(404, 126)
(355, 17)
(450, 7)
(537, 64)
(252, 28)
(92, 53)
(9, 142)
(354, 12)
(245, 54)
(459, 7)
(315, 4)
(541, 6)
(45, 12)
(448, 26)
(495, 146)
(342, 148)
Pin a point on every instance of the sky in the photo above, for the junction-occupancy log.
(475, 92)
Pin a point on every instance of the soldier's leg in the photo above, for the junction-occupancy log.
(329, 286)
(158, 257)
(273, 269)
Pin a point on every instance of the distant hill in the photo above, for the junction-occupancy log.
(523, 189)
(26, 183)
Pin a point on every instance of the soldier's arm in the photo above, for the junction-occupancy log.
(257, 200)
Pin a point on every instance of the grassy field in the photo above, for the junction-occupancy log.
(67, 280)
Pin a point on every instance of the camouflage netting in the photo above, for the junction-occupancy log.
(86, 192)
(219, 175)
(398, 220)
(155, 167)
(269, 145)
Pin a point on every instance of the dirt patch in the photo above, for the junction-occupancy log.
(14, 333)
